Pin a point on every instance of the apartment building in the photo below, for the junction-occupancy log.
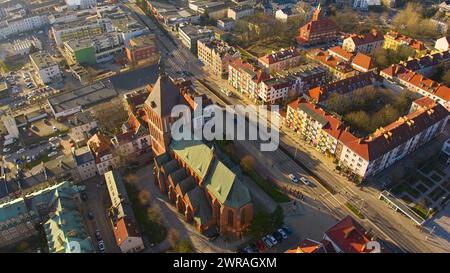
(81, 125)
(398, 77)
(240, 11)
(281, 60)
(81, 4)
(16, 26)
(85, 163)
(371, 154)
(189, 36)
(216, 55)
(392, 40)
(366, 43)
(46, 68)
(335, 65)
(225, 24)
(142, 49)
(105, 157)
(274, 89)
(305, 77)
(246, 77)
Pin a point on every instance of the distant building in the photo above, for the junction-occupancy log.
(46, 68)
(9, 122)
(77, 30)
(443, 44)
(319, 30)
(123, 220)
(365, 44)
(16, 26)
(286, 14)
(225, 24)
(142, 49)
(393, 40)
(280, 60)
(216, 55)
(240, 11)
(81, 4)
(365, 5)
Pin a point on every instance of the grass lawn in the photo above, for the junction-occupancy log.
(354, 210)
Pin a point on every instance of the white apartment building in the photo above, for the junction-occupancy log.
(81, 4)
(85, 163)
(240, 11)
(46, 68)
(274, 89)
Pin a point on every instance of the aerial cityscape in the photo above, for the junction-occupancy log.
(234, 126)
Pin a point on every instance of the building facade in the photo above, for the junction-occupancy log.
(46, 68)
(393, 40)
(280, 60)
(319, 30)
(365, 44)
(216, 55)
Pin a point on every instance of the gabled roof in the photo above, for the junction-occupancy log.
(164, 96)
(195, 154)
(349, 236)
(371, 37)
(226, 186)
(124, 229)
(362, 62)
(280, 55)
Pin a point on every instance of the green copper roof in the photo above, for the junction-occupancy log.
(195, 153)
(226, 187)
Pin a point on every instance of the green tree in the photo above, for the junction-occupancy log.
(184, 247)
(446, 77)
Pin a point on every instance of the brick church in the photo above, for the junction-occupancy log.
(196, 180)
(317, 31)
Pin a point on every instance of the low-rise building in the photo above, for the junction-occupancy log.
(239, 11)
(16, 26)
(189, 36)
(85, 163)
(366, 43)
(81, 4)
(280, 60)
(123, 220)
(76, 30)
(142, 50)
(216, 55)
(81, 125)
(393, 40)
(362, 63)
(287, 14)
(442, 44)
(225, 24)
(46, 68)
(106, 158)
(319, 30)
(336, 66)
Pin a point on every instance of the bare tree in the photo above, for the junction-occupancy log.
(173, 236)
(144, 197)
(110, 115)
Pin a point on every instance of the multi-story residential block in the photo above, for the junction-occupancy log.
(442, 44)
(336, 66)
(77, 30)
(318, 30)
(82, 125)
(280, 60)
(85, 163)
(81, 4)
(304, 77)
(89, 51)
(106, 158)
(123, 220)
(275, 89)
(142, 50)
(369, 155)
(418, 83)
(225, 24)
(189, 36)
(246, 77)
(216, 55)
(366, 43)
(322, 92)
(239, 11)
(393, 40)
(46, 68)
(20, 25)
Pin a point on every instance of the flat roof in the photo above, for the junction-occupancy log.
(42, 60)
(84, 97)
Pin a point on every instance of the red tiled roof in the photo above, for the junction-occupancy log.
(340, 52)
(424, 102)
(280, 55)
(413, 43)
(329, 60)
(393, 70)
(124, 229)
(371, 37)
(362, 62)
(349, 236)
(308, 246)
(428, 85)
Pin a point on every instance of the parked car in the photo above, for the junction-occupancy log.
(34, 145)
(55, 129)
(305, 181)
(283, 234)
(287, 230)
(98, 235)
(101, 246)
(260, 245)
(293, 178)
(6, 150)
(53, 139)
(272, 239)
(21, 150)
(52, 154)
(277, 236)
(267, 242)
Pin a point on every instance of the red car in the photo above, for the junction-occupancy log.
(260, 245)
